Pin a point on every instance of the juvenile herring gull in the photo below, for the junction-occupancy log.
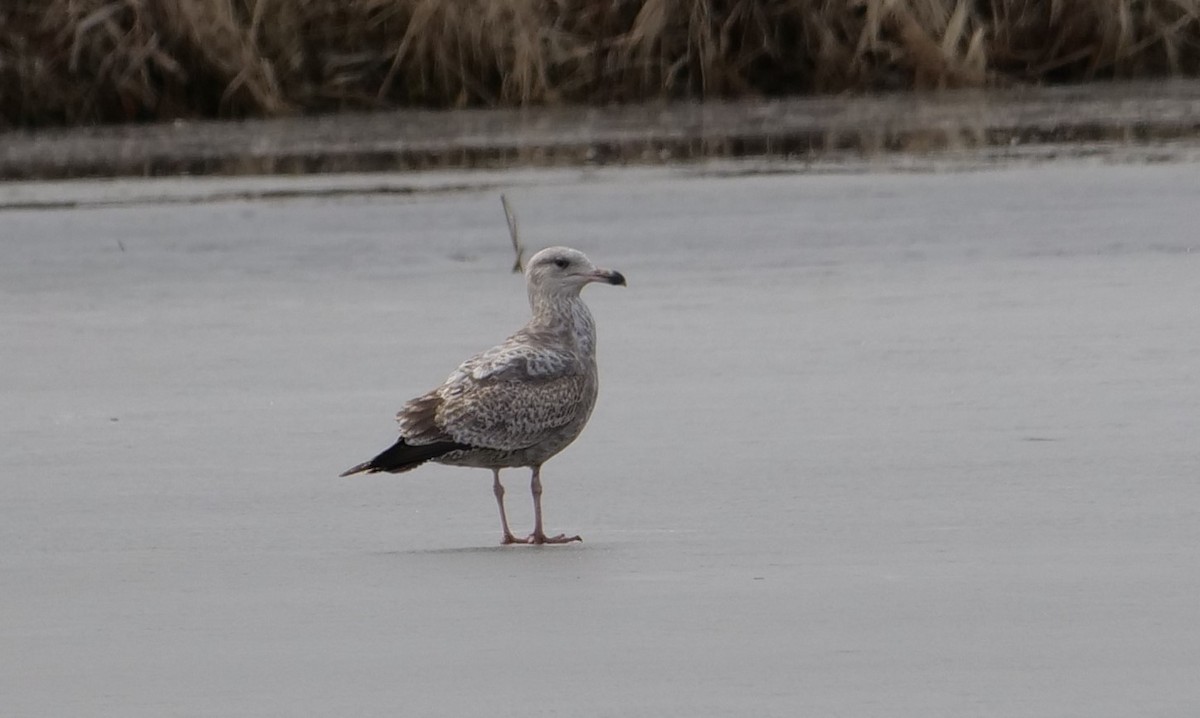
(516, 404)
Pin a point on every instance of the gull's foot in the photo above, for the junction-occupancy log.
(536, 538)
(539, 539)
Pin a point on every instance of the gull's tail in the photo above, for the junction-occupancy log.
(403, 456)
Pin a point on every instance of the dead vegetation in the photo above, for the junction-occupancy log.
(514, 234)
(87, 61)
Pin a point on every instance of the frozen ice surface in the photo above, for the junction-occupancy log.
(866, 445)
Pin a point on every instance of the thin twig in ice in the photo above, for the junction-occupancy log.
(509, 215)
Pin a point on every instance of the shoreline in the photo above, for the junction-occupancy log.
(809, 129)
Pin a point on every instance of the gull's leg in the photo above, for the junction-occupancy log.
(498, 490)
(539, 536)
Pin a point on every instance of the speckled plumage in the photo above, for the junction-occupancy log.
(518, 403)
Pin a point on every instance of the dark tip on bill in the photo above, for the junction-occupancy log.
(616, 279)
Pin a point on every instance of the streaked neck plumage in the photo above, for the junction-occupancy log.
(564, 315)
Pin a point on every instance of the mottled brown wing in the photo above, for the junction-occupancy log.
(510, 415)
(419, 420)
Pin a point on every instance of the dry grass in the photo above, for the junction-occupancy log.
(86, 61)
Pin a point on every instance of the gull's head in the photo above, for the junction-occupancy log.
(562, 271)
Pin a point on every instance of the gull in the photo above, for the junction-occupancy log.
(519, 403)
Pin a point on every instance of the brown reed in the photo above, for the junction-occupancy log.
(75, 62)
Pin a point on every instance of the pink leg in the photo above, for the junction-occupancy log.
(539, 536)
(498, 490)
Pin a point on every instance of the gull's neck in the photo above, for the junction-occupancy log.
(567, 317)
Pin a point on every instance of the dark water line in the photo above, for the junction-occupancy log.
(802, 129)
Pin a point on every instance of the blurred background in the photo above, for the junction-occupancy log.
(73, 62)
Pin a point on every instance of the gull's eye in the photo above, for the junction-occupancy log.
(561, 263)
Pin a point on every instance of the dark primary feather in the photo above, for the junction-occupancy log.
(402, 457)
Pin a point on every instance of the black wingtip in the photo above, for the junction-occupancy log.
(403, 456)
(365, 466)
